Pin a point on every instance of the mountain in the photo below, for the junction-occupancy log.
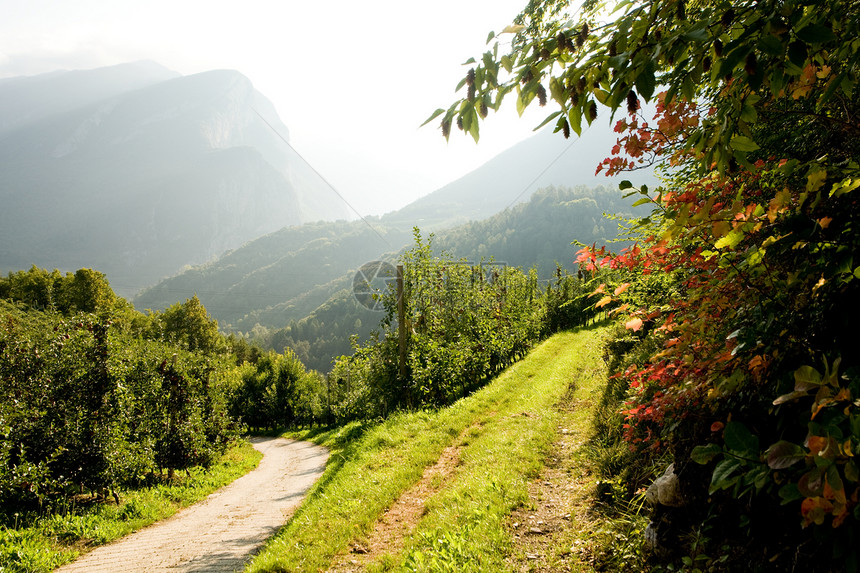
(537, 233)
(280, 277)
(27, 99)
(512, 176)
(285, 275)
(139, 172)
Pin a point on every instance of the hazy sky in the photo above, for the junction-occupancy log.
(352, 80)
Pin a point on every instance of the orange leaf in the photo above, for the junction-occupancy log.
(825, 222)
(816, 444)
(603, 302)
(839, 519)
(622, 288)
(620, 309)
(634, 324)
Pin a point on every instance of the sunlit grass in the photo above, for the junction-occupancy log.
(510, 426)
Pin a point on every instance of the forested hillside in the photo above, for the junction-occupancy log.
(537, 234)
(280, 277)
(544, 231)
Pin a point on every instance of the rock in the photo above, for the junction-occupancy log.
(666, 490)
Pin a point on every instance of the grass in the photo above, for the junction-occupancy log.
(34, 543)
(511, 425)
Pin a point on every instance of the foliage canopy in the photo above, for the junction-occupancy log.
(742, 289)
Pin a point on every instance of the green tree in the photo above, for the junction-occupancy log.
(86, 291)
(189, 325)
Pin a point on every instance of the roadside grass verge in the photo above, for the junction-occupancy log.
(36, 543)
(507, 428)
(466, 527)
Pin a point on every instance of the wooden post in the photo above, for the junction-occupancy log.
(401, 322)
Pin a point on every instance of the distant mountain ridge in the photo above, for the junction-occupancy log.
(536, 234)
(514, 175)
(286, 275)
(140, 172)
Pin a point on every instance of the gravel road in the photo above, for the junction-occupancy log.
(222, 532)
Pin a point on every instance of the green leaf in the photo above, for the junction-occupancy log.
(697, 34)
(433, 116)
(704, 454)
(556, 90)
(784, 454)
(731, 61)
(811, 483)
(474, 124)
(574, 116)
(741, 158)
(548, 119)
(688, 88)
(643, 201)
(731, 240)
(743, 143)
(521, 104)
(834, 85)
(851, 473)
(645, 82)
(770, 44)
(625, 184)
(834, 480)
(806, 378)
(507, 63)
(739, 440)
(469, 62)
(722, 476)
(490, 36)
(749, 114)
(797, 53)
(789, 493)
(816, 34)
(790, 397)
(488, 61)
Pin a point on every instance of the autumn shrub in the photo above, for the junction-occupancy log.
(750, 377)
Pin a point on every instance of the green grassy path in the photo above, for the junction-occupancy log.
(509, 426)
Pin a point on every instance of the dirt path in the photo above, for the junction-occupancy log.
(220, 533)
(394, 526)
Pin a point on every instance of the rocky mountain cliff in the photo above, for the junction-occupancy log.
(139, 172)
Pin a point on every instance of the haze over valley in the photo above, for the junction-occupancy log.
(179, 186)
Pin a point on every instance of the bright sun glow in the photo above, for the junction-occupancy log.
(351, 80)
